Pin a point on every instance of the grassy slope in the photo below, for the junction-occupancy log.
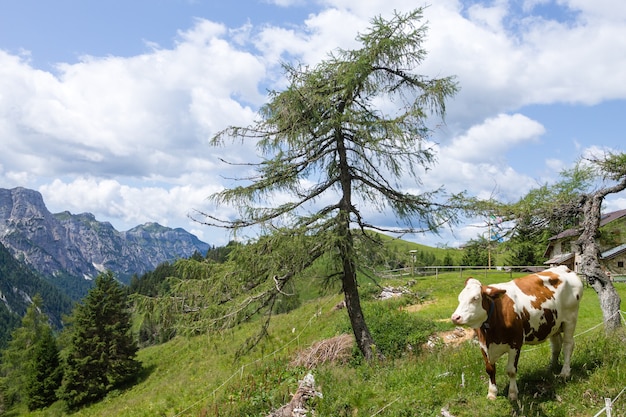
(199, 376)
(403, 247)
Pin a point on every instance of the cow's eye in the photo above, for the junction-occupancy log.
(476, 297)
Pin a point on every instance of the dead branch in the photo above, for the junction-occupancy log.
(297, 406)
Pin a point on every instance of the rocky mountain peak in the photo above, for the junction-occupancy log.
(79, 246)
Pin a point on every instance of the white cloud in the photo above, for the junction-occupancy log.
(491, 139)
(139, 115)
(599, 9)
(540, 61)
(127, 137)
(127, 206)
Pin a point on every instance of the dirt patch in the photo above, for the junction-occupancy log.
(457, 336)
(450, 338)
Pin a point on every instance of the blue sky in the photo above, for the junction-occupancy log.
(107, 107)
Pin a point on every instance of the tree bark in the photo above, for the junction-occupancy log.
(590, 267)
(362, 334)
(363, 337)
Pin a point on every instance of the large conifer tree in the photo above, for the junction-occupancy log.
(343, 135)
(101, 355)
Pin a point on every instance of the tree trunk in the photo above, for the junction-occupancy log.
(350, 289)
(364, 339)
(362, 334)
(607, 294)
(590, 266)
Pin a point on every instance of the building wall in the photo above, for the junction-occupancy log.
(616, 265)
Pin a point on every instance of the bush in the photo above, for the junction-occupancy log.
(395, 331)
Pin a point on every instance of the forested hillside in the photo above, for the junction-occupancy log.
(18, 285)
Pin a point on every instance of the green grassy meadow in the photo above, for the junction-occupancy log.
(202, 376)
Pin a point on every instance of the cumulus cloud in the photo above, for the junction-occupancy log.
(131, 205)
(126, 137)
(493, 138)
(113, 112)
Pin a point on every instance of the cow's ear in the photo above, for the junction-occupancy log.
(494, 292)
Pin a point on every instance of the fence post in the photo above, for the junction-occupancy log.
(608, 407)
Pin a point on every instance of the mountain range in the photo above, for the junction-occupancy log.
(72, 249)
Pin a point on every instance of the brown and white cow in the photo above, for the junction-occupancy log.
(530, 310)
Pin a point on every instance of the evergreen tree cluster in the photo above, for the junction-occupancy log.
(476, 252)
(98, 353)
(152, 283)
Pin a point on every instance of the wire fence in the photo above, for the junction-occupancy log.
(608, 402)
(434, 271)
(608, 405)
(241, 370)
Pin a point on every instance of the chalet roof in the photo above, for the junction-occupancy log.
(559, 259)
(566, 233)
(613, 252)
(609, 217)
(604, 219)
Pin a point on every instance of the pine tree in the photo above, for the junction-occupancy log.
(101, 354)
(44, 374)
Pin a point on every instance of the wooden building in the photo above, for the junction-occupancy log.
(561, 248)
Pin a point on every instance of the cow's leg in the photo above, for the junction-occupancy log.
(492, 393)
(511, 370)
(568, 347)
(491, 372)
(556, 342)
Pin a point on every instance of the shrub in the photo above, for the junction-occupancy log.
(395, 331)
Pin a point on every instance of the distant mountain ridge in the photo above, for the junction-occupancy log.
(78, 247)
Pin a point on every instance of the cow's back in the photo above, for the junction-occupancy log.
(544, 301)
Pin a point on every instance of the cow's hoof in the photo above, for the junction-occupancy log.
(491, 396)
(512, 397)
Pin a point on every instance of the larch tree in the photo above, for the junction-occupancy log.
(612, 168)
(343, 136)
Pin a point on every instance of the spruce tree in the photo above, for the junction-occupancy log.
(101, 354)
(44, 374)
(18, 357)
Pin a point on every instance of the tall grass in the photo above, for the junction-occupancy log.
(202, 376)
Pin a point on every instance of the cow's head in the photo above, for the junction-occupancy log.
(475, 303)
